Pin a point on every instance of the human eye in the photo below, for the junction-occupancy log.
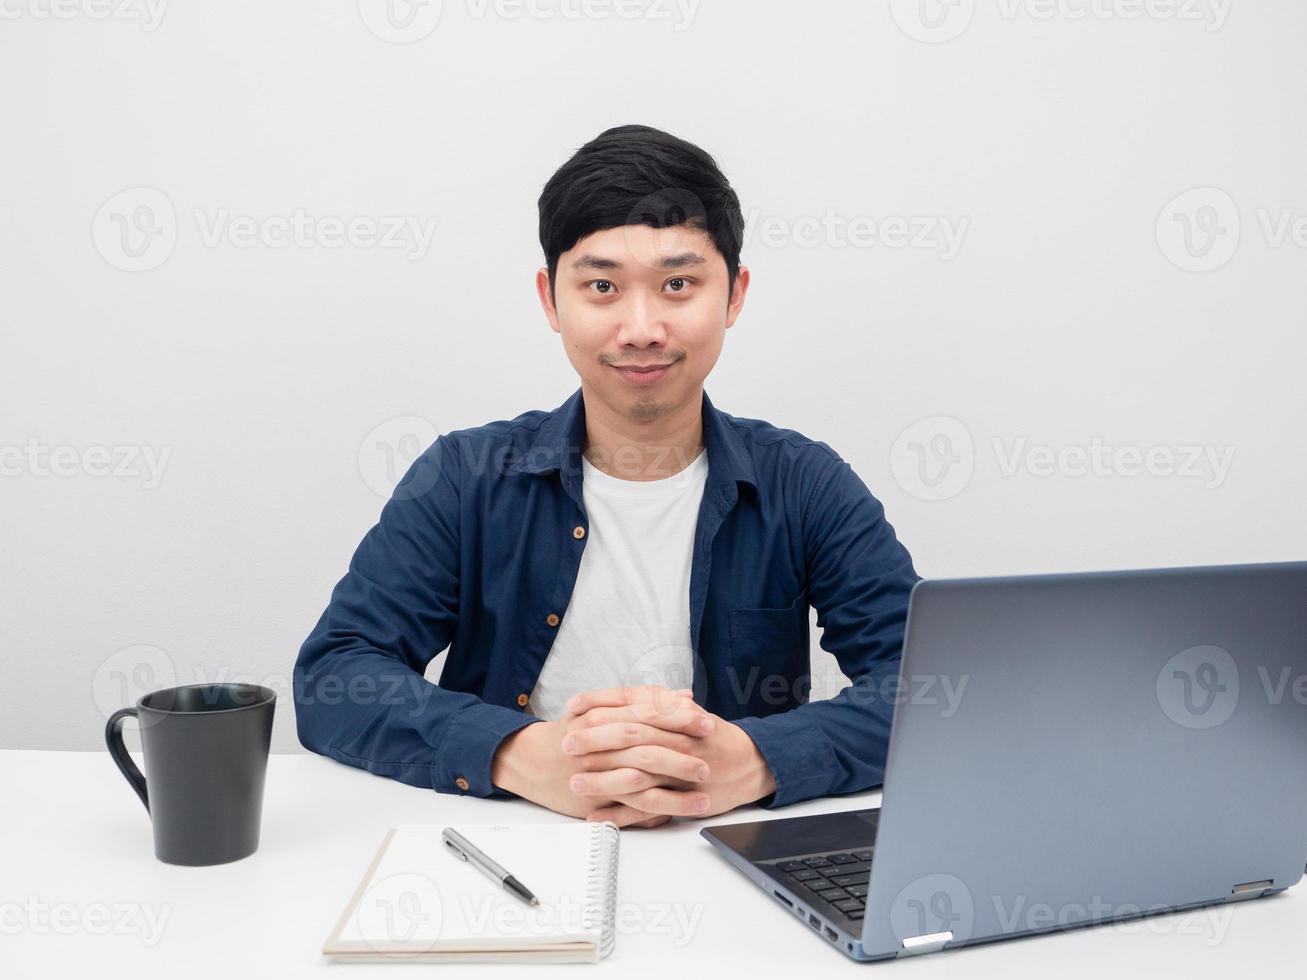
(601, 282)
(685, 283)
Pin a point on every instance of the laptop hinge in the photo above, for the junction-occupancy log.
(930, 943)
(1249, 889)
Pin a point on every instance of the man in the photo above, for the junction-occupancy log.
(623, 583)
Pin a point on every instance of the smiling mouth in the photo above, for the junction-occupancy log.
(643, 375)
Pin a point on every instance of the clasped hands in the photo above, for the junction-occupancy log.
(637, 756)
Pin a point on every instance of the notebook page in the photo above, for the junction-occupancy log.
(421, 897)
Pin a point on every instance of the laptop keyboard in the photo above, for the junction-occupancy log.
(838, 878)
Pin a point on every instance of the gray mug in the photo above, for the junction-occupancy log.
(206, 755)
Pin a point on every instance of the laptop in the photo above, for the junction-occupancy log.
(1066, 750)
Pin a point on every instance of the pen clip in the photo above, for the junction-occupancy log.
(457, 853)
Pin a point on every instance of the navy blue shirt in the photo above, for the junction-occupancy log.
(478, 550)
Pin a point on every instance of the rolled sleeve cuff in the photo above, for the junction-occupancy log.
(465, 757)
(799, 754)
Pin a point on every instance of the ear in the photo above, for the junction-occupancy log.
(547, 301)
(736, 302)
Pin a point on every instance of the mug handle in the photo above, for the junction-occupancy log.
(113, 735)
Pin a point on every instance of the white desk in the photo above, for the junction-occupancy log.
(75, 847)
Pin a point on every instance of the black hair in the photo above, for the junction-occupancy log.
(638, 175)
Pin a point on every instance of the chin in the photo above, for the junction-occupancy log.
(647, 407)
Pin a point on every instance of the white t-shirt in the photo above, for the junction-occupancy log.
(628, 621)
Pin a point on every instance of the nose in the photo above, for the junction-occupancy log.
(642, 322)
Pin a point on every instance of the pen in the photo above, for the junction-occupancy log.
(465, 850)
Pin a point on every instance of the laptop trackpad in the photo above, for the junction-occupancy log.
(766, 840)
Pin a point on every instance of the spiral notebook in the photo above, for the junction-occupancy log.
(418, 902)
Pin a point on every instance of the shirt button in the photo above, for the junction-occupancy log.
(522, 699)
(552, 619)
(578, 532)
(462, 784)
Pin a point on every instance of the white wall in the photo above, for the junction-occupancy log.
(1068, 312)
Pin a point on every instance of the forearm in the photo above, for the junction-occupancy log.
(860, 580)
(360, 694)
(512, 769)
(369, 709)
(826, 747)
(530, 764)
(748, 776)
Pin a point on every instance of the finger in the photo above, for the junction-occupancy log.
(653, 759)
(615, 697)
(683, 716)
(626, 816)
(686, 717)
(624, 735)
(672, 802)
(657, 821)
(612, 783)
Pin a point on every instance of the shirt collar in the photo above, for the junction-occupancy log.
(561, 437)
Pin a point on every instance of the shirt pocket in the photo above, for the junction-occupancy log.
(768, 667)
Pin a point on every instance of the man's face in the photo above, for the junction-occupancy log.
(639, 297)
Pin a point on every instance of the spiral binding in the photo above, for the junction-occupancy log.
(601, 886)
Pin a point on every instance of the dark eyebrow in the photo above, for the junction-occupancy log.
(681, 261)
